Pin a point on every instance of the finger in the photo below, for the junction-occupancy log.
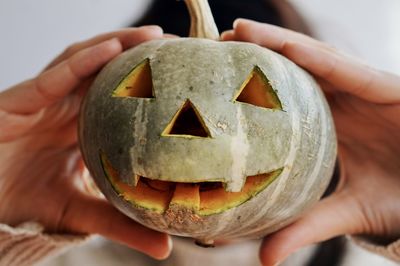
(170, 36)
(13, 126)
(345, 73)
(64, 137)
(333, 216)
(57, 123)
(57, 82)
(270, 36)
(86, 214)
(228, 35)
(128, 37)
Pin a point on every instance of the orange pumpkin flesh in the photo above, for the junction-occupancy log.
(204, 198)
(137, 84)
(187, 195)
(218, 199)
(254, 90)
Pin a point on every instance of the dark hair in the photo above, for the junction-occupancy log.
(173, 16)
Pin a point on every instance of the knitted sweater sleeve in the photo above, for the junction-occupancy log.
(27, 244)
(390, 250)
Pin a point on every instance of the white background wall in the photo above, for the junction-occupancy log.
(369, 29)
(34, 31)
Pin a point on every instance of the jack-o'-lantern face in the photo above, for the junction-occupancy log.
(185, 125)
(203, 150)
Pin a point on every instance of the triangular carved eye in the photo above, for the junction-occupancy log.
(257, 90)
(187, 122)
(138, 83)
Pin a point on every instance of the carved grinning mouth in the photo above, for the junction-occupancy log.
(203, 198)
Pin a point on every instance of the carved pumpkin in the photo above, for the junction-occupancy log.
(207, 139)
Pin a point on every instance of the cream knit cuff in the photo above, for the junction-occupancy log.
(26, 244)
(390, 251)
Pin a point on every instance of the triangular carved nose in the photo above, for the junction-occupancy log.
(187, 122)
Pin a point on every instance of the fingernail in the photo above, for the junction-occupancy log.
(241, 20)
(152, 27)
(114, 39)
(170, 36)
(113, 42)
(226, 33)
(169, 246)
(236, 22)
(170, 243)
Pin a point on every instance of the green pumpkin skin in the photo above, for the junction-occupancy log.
(245, 140)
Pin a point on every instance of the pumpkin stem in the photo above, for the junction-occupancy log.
(202, 23)
(205, 243)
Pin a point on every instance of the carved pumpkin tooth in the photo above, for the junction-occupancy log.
(135, 179)
(235, 185)
(186, 195)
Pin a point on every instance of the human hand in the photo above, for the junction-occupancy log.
(365, 105)
(40, 164)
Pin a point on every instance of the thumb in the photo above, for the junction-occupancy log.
(88, 214)
(333, 216)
